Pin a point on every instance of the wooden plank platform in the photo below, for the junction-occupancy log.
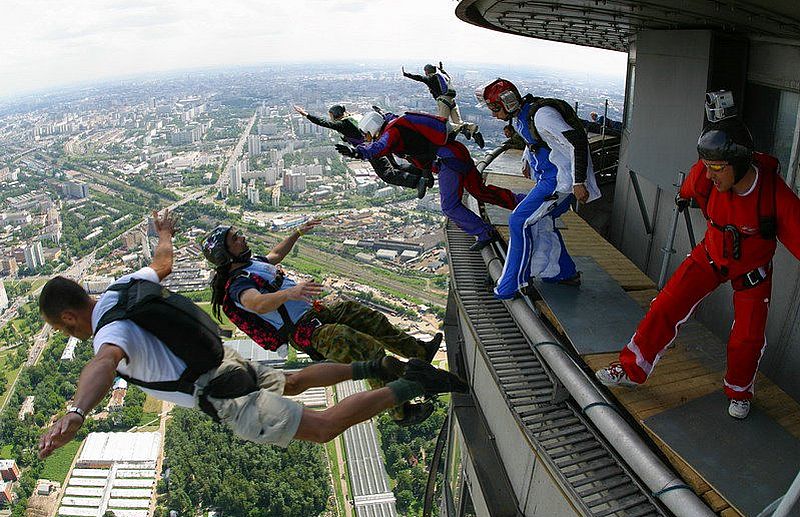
(693, 367)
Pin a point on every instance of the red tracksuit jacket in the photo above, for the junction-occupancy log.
(724, 208)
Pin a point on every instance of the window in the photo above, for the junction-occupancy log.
(772, 116)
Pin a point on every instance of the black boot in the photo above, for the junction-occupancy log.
(422, 186)
(432, 379)
(479, 139)
(574, 281)
(386, 368)
(432, 346)
(479, 245)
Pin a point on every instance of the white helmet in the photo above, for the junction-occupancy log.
(371, 123)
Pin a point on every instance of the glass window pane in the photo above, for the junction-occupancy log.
(785, 124)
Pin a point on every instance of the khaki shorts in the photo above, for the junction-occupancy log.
(263, 416)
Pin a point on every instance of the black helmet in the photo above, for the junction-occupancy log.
(429, 69)
(214, 248)
(728, 140)
(216, 251)
(337, 111)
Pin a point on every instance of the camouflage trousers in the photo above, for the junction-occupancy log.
(352, 332)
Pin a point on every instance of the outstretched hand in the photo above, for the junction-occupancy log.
(59, 434)
(346, 150)
(300, 110)
(304, 291)
(309, 225)
(165, 222)
(440, 66)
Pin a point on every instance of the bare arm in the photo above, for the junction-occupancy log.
(263, 303)
(96, 379)
(324, 426)
(279, 252)
(162, 258)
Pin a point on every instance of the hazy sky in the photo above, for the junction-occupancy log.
(48, 43)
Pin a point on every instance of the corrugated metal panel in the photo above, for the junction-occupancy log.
(558, 433)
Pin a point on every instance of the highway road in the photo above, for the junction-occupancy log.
(372, 495)
(233, 156)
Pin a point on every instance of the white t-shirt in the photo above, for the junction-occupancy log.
(149, 359)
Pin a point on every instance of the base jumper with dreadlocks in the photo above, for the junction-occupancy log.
(274, 310)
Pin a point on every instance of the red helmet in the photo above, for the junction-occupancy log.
(499, 93)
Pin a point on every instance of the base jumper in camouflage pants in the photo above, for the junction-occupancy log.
(260, 299)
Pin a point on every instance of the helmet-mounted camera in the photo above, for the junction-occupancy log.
(719, 105)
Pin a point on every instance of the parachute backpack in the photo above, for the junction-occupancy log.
(181, 325)
(564, 109)
(435, 130)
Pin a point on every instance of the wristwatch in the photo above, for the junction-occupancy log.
(76, 409)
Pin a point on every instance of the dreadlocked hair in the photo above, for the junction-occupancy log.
(218, 283)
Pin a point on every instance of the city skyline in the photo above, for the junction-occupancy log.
(51, 46)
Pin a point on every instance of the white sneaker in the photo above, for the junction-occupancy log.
(614, 375)
(739, 408)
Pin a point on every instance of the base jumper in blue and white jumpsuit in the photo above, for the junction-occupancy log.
(557, 164)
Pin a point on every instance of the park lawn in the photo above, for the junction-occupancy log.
(226, 323)
(5, 451)
(4, 355)
(56, 467)
(10, 375)
(146, 418)
(152, 405)
(16, 323)
(37, 284)
(336, 474)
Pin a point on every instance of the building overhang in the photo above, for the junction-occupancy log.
(610, 24)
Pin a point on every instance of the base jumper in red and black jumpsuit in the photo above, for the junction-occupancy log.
(404, 136)
(733, 250)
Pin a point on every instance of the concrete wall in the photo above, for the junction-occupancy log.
(537, 492)
(667, 104)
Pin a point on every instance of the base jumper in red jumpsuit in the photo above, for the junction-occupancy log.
(737, 247)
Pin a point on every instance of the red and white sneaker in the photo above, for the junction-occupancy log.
(739, 408)
(614, 375)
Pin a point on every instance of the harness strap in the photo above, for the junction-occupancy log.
(232, 384)
(745, 281)
(447, 100)
(288, 327)
(185, 384)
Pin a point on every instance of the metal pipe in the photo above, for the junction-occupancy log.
(789, 503)
(689, 228)
(673, 228)
(490, 156)
(652, 234)
(640, 200)
(659, 478)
